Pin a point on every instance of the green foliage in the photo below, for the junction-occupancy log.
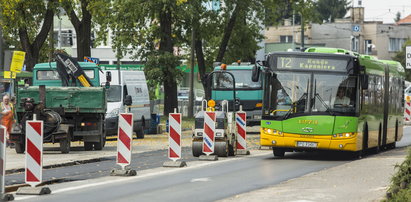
(400, 57)
(329, 10)
(397, 17)
(161, 66)
(400, 189)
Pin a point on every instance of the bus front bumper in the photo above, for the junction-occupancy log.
(309, 142)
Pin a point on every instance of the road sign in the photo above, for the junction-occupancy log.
(17, 61)
(10, 75)
(174, 140)
(408, 57)
(209, 133)
(125, 137)
(34, 152)
(91, 59)
(356, 28)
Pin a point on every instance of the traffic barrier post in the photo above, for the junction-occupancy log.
(124, 145)
(209, 136)
(407, 110)
(174, 141)
(34, 159)
(241, 132)
(4, 195)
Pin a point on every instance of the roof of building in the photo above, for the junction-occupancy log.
(405, 21)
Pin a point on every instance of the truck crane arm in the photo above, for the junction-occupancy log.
(69, 69)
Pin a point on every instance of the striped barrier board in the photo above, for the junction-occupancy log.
(174, 140)
(34, 152)
(209, 133)
(240, 118)
(407, 111)
(3, 132)
(125, 138)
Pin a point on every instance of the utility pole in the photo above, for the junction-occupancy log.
(302, 32)
(191, 92)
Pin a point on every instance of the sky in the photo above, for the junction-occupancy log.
(384, 10)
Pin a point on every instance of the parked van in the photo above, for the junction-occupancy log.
(130, 85)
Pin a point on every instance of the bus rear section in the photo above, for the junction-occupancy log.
(248, 93)
(318, 101)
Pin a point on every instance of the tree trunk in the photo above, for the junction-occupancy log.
(201, 64)
(227, 32)
(83, 29)
(33, 49)
(166, 45)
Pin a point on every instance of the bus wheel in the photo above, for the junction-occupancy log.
(278, 152)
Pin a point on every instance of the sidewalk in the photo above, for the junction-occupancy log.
(361, 180)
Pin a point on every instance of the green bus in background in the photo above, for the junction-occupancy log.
(331, 99)
(248, 93)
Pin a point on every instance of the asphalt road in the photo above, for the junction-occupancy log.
(200, 181)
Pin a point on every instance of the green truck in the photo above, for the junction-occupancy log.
(70, 111)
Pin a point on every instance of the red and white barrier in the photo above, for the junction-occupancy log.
(174, 139)
(240, 119)
(34, 152)
(407, 111)
(125, 138)
(209, 133)
(3, 132)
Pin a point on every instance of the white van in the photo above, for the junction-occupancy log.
(131, 85)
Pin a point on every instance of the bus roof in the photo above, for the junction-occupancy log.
(330, 50)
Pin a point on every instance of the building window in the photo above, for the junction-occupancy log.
(286, 39)
(368, 46)
(396, 44)
(354, 43)
(66, 38)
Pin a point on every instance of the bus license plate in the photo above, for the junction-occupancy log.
(307, 144)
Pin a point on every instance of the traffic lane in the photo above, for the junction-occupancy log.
(100, 167)
(213, 181)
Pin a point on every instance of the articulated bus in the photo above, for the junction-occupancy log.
(330, 99)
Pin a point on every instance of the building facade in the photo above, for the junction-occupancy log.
(365, 37)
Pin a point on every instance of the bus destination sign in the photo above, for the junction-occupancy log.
(314, 64)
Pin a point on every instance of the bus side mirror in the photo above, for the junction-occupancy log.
(364, 81)
(255, 75)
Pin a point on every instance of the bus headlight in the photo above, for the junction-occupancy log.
(343, 135)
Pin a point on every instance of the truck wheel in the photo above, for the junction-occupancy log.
(197, 148)
(20, 148)
(88, 146)
(140, 133)
(99, 145)
(65, 146)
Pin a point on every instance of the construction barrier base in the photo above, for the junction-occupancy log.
(7, 197)
(121, 172)
(208, 158)
(33, 191)
(174, 164)
(243, 152)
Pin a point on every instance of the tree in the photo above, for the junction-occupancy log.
(329, 10)
(30, 21)
(81, 19)
(150, 30)
(397, 17)
(400, 57)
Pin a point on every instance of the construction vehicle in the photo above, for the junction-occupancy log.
(225, 137)
(68, 97)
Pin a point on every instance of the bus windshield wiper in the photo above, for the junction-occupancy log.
(325, 104)
(293, 105)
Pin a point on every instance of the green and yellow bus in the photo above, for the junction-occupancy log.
(330, 99)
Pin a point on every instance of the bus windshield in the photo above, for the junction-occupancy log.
(242, 80)
(302, 93)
